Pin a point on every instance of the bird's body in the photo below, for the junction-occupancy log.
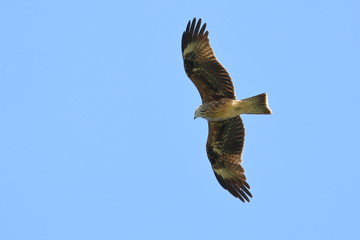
(219, 106)
(226, 108)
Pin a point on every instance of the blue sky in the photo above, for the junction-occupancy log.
(97, 134)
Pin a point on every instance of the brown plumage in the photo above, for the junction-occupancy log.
(201, 65)
(219, 106)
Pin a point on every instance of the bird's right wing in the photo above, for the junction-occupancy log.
(224, 149)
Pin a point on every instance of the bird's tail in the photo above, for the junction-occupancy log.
(258, 104)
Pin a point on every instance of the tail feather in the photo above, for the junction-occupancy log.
(258, 104)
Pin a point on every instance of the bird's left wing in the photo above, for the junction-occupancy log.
(209, 76)
(224, 149)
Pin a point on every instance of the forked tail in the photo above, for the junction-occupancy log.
(258, 104)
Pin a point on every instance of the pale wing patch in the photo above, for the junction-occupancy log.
(189, 48)
(216, 147)
(224, 173)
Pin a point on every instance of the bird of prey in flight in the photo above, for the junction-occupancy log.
(220, 108)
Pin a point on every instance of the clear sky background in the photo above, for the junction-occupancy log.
(98, 141)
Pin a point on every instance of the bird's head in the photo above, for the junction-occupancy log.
(199, 112)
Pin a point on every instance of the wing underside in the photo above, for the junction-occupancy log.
(224, 148)
(209, 76)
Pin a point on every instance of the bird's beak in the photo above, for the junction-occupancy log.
(195, 117)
